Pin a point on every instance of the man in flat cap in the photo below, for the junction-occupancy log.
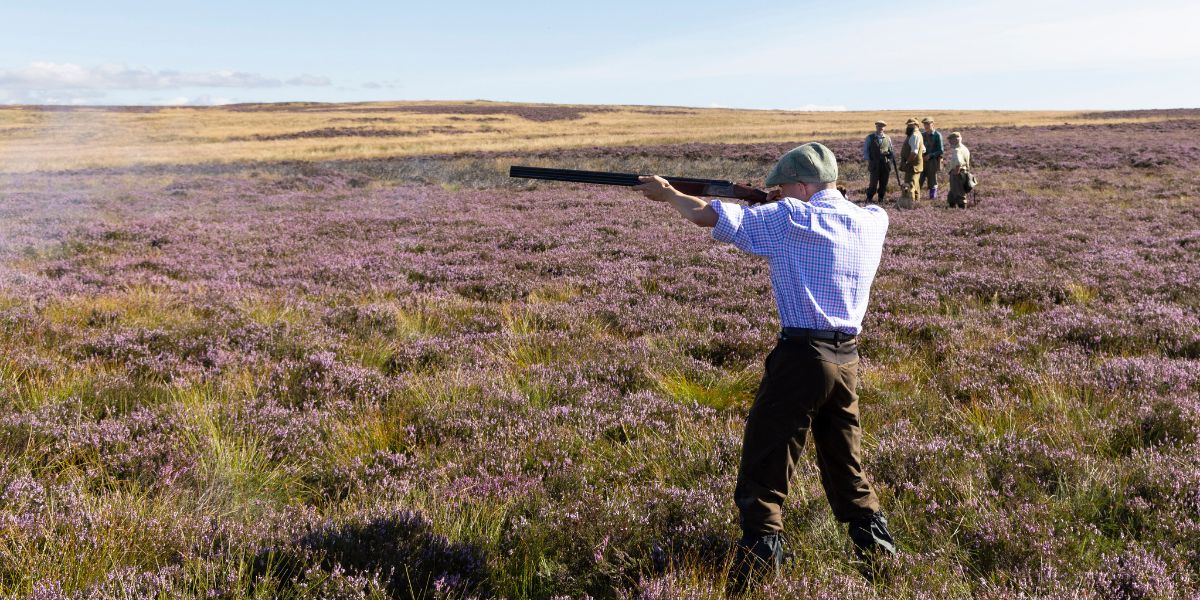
(911, 164)
(933, 157)
(823, 251)
(877, 151)
(959, 165)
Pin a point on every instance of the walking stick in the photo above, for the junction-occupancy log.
(974, 190)
(896, 170)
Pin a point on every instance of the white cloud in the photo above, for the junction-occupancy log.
(820, 108)
(308, 81)
(390, 84)
(201, 100)
(49, 96)
(41, 76)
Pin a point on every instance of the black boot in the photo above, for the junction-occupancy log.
(757, 555)
(871, 537)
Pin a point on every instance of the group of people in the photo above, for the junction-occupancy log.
(921, 160)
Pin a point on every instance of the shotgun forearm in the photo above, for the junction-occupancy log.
(688, 185)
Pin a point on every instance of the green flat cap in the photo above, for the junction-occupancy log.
(810, 163)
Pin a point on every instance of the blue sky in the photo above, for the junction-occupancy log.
(987, 54)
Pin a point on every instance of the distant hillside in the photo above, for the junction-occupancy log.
(64, 137)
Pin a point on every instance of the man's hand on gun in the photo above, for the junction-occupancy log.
(659, 190)
(655, 188)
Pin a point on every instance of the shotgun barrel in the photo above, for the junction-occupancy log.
(688, 185)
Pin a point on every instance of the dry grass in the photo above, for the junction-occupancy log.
(42, 138)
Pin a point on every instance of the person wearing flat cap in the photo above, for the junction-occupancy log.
(823, 252)
(933, 157)
(912, 163)
(877, 151)
(960, 166)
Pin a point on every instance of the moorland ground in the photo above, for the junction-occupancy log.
(314, 365)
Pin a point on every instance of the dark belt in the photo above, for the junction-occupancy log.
(816, 334)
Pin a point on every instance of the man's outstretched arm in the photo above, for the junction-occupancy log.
(692, 208)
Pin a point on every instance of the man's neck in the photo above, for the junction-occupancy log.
(831, 188)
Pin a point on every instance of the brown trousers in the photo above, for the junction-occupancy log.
(808, 386)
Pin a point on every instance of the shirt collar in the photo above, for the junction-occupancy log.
(826, 196)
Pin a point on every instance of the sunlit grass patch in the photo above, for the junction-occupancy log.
(423, 321)
(482, 522)
(138, 306)
(1080, 294)
(411, 316)
(521, 322)
(1065, 408)
(83, 537)
(8, 302)
(539, 393)
(445, 388)
(698, 447)
(528, 343)
(373, 428)
(269, 311)
(955, 306)
(374, 353)
(899, 389)
(723, 391)
(597, 327)
(234, 472)
(23, 386)
(101, 387)
(897, 378)
(1100, 496)
(555, 294)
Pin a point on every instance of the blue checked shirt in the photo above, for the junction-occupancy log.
(823, 255)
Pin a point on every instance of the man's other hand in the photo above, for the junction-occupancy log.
(655, 188)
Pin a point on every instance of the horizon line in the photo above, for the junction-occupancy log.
(831, 109)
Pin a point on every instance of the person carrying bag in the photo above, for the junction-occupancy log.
(962, 180)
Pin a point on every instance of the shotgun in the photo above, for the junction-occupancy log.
(688, 185)
(896, 170)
